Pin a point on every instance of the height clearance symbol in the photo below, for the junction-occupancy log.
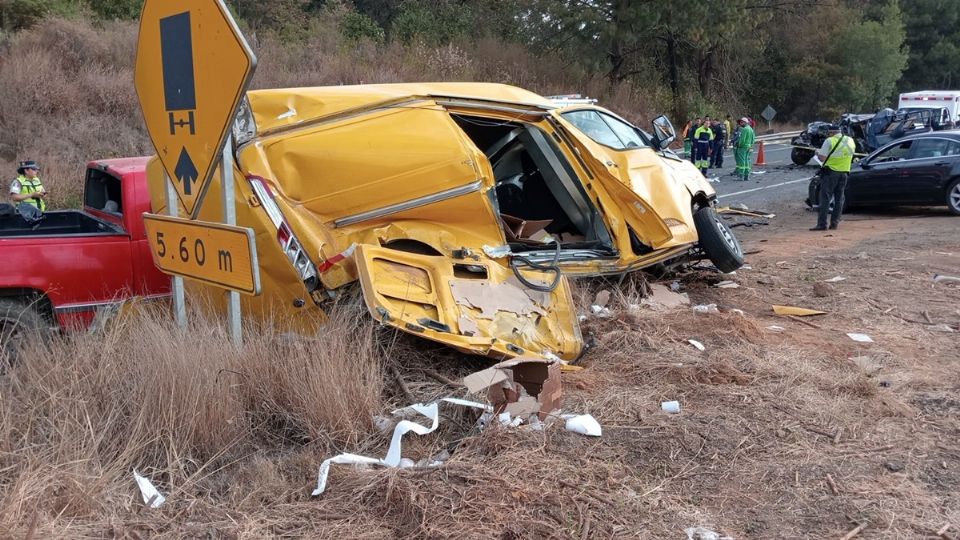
(193, 67)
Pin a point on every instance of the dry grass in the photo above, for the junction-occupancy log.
(68, 96)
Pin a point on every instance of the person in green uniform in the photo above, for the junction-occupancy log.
(742, 149)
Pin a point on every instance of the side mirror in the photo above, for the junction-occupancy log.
(663, 132)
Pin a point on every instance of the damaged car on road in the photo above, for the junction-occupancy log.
(460, 208)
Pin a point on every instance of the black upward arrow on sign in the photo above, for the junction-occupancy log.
(186, 171)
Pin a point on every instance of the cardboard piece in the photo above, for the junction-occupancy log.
(662, 297)
(518, 228)
(521, 386)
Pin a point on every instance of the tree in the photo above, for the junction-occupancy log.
(933, 37)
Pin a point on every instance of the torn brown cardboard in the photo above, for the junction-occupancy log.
(521, 386)
(661, 297)
(518, 228)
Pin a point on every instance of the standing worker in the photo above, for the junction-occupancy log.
(687, 145)
(742, 149)
(719, 144)
(27, 187)
(728, 125)
(692, 141)
(837, 156)
(703, 138)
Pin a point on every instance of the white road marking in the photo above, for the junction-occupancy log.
(764, 187)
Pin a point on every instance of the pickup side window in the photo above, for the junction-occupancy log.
(102, 192)
(605, 129)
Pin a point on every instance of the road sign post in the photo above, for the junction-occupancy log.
(768, 114)
(193, 67)
(176, 282)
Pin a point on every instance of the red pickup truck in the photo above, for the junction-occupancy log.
(60, 271)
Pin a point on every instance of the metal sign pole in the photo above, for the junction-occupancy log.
(230, 218)
(179, 303)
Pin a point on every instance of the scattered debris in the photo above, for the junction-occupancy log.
(706, 308)
(151, 497)
(860, 338)
(835, 279)
(699, 346)
(775, 328)
(521, 386)
(393, 458)
(728, 284)
(602, 299)
(583, 424)
(796, 311)
(672, 407)
(662, 298)
(703, 533)
(940, 277)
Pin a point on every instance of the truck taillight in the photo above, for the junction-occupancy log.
(288, 241)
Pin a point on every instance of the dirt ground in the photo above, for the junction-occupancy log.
(788, 429)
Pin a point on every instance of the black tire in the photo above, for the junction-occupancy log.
(813, 192)
(717, 240)
(953, 197)
(17, 320)
(801, 156)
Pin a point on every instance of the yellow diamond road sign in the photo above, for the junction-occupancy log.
(193, 67)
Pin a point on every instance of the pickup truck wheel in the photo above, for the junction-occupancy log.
(16, 321)
(953, 197)
(717, 241)
(801, 156)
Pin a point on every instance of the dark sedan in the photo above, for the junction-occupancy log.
(923, 170)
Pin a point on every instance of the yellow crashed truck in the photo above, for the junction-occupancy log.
(459, 207)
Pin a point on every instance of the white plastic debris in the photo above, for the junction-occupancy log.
(940, 277)
(835, 279)
(497, 252)
(675, 286)
(860, 338)
(775, 328)
(703, 533)
(699, 346)
(672, 407)
(706, 308)
(727, 285)
(150, 494)
(393, 459)
(583, 424)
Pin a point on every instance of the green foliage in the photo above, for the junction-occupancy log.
(357, 26)
(933, 37)
(117, 9)
(17, 14)
(432, 22)
(869, 59)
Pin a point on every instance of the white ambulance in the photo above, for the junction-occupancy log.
(933, 99)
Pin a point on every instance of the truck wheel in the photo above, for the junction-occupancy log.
(717, 241)
(801, 156)
(813, 192)
(953, 197)
(17, 320)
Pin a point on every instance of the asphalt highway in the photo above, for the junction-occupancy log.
(771, 185)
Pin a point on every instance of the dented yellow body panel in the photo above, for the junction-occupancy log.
(402, 188)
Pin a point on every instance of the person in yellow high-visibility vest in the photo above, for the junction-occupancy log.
(27, 188)
(702, 139)
(837, 157)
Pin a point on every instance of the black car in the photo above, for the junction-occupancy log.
(922, 170)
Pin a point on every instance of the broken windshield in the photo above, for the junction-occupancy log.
(606, 129)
